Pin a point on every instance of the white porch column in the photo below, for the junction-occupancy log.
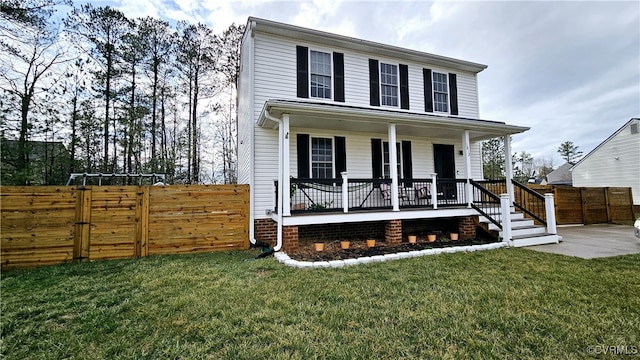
(550, 208)
(393, 164)
(505, 218)
(434, 190)
(280, 198)
(466, 144)
(345, 191)
(508, 166)
(286, 171)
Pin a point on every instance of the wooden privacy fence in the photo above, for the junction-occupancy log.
(590, 205)
(49, 225)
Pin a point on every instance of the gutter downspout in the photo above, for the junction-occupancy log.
(280, 177)
(252, 159)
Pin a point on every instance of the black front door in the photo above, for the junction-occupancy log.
(445, 167)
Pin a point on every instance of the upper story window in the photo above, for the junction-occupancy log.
(320, 71)
(319, 74)
(440, 92)
(321, 158)
(389, 84)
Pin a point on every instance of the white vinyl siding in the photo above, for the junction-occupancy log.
(245, 112)
(467, 95)
(274, 60)
(275, 77)
(614, 163)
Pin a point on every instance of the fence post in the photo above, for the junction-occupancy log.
(505, 217)
(345, 192)
(550, 209)
(82, 228)
(607, 204)
(142, 222)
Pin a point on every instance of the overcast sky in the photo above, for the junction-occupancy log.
(569, 70)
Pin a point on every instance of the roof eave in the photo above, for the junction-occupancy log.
(322, 37)
(278, 107)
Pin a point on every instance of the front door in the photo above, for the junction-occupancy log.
(445, 167)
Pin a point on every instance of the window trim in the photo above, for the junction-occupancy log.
(331, 73)
(433, 91)
(380, 84)
(333, 156)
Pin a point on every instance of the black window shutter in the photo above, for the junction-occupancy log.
(374, 83)
(338, 77)
(341, 155)
(404, 87)
(428, 90)
(407, 163)
(453, 93)
(376, 158)
(303, 156)
(302, 66)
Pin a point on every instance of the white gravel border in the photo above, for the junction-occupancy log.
(285, 259)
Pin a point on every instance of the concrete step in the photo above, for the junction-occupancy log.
(527, 231)
(515, 224)
(514, 216)
(539, 239)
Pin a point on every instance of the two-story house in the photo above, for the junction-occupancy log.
(348, 135)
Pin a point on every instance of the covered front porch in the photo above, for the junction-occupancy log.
(409, 180)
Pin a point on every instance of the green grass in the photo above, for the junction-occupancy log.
(507, 303)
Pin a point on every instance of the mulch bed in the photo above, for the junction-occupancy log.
(358, 248)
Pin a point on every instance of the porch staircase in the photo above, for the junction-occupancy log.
(524, 232)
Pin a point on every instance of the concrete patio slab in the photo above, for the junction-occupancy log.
(594, 241)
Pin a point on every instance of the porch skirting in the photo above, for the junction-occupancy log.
(394, 231)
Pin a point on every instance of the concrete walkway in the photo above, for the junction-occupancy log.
(594, 241)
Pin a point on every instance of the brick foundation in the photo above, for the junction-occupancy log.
(266, 230)
(467, 227)
(290, 239)
(393, 232)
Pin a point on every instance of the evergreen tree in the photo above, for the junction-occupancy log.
(569, 152)
(493, 159)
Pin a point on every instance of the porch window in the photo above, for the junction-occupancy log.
(321, 158)
(389, 84)
(320, 71)
(440, 92)
(386, 164)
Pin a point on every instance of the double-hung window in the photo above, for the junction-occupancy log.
(321, 158)
(320, 71)
(440, 92)
(389, 84)
(386, 164)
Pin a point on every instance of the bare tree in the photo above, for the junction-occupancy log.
(29, 55)
(103, 28)
(197, 55)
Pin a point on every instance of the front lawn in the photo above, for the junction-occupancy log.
(507, 303)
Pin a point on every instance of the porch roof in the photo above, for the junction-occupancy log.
(342, 117)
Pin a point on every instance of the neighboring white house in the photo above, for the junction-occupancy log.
(317, 112)
(613, 163)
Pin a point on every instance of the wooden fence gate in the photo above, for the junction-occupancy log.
(48, 225)
(590, 205)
